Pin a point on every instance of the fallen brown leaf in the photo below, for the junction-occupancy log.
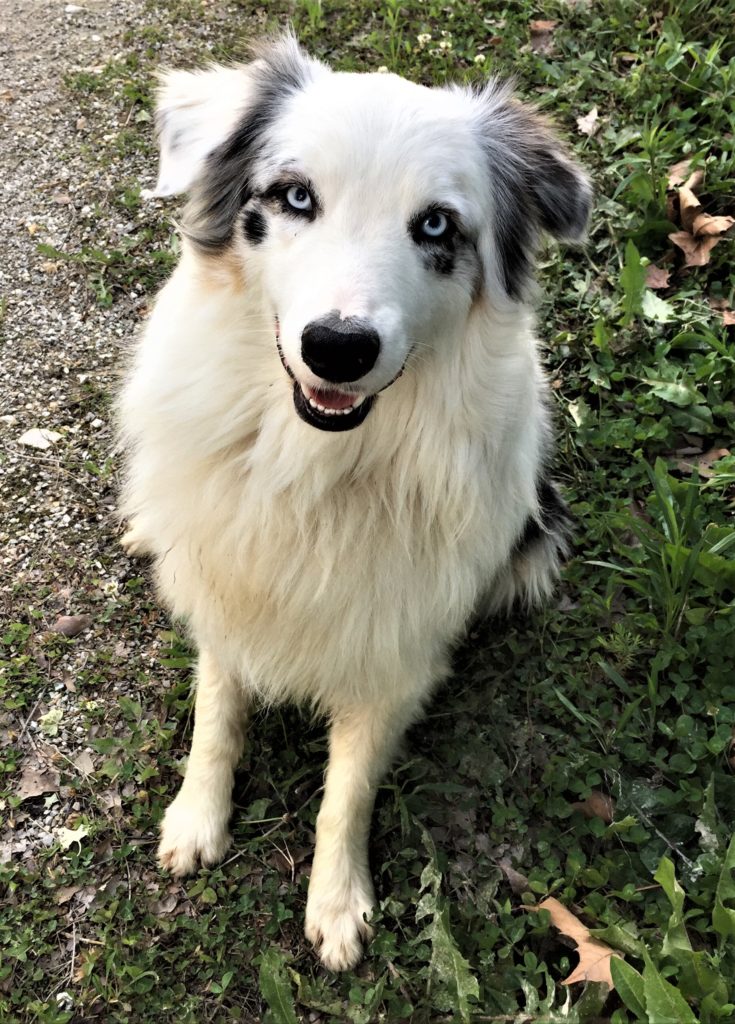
(722, 307)
(71, 625)
(656, 277)
(517, 881)
(679, 173)
(588, 124)
(597, 805)
(84, 763)
(542, 36)
(35, 783)
(594, 956)
(702, 231)
(703, 463)
(65, 892)
(696, 250)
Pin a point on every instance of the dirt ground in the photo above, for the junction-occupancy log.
(59, 353)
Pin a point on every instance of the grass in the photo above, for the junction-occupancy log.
(624, 686)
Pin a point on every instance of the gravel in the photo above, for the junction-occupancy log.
(59, 354)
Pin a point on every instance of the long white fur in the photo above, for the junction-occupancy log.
(335, 569)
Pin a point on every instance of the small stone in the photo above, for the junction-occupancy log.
(39, 437)
(71, 625)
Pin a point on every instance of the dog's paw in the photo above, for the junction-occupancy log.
(134, 543)
(337, 927)
(191, 834)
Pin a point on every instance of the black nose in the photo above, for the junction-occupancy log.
(339, 350)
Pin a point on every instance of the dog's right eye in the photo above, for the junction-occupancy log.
(299, 198)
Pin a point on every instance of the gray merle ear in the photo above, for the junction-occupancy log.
(213, 123)
(536, 185)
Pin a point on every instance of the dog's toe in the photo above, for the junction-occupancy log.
(191, 836)
(338, 933)
(134, 543)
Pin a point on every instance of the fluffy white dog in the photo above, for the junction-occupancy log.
(335, 420)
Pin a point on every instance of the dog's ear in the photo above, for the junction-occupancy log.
(195, 112)
(198, 111)
(536, 186)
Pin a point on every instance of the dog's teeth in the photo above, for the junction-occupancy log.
(358, 401)
(335, 412)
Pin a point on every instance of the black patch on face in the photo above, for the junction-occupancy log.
(536, 186)
(439, 254)
(553, 519)
(255, 227)
(225, 186)
(440, 261)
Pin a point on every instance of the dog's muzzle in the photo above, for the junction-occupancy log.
(337, 360)
(329, 354)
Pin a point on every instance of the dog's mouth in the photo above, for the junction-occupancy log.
(329, 409)
(326, 408)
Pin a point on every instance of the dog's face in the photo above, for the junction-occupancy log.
(372, 212)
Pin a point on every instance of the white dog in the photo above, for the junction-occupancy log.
(336, 419)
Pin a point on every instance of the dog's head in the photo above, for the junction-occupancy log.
(372, 213)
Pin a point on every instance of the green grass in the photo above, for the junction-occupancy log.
(626, 685)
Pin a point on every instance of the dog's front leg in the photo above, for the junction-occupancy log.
(361, 743)
(195, 826)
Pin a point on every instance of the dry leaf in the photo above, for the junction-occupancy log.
(679, 173)
(721, 306)
(71, 625)
(35, 783)
(65, 892)
(84, 763)
(517, 881)
(542, 36)
(656, 277)
(703, 464)
(702, 231)
(696, 250)
(594, 956)
(597, 805)
(588, 124)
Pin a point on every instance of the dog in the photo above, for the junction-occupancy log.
(335, 421)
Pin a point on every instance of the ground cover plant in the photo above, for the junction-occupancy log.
(569, 803)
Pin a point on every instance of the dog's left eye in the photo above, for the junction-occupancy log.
(435, 224)
(299, 198)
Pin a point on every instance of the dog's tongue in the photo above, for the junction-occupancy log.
(330, 399)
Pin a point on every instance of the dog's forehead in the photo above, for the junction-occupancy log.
(377, 124)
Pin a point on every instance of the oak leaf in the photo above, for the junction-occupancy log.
(35, 782)
(679, 173)
(701, 231)
(657, 277)
(594, 956)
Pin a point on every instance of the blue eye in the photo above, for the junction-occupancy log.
(299, 198)
(435, 224)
